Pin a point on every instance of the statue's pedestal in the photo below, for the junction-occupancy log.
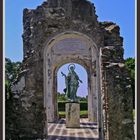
(72, 114)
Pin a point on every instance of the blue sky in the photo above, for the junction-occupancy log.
(121, 12)
(118, 11)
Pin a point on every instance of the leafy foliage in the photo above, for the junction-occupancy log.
(62, 97)
(13, 105)
(12, 70)
(61, 106)
(83, 114)
(130, 65)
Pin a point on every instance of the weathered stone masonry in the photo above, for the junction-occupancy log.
(110, 88)
(116, 87)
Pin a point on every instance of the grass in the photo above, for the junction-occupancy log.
(83, 114)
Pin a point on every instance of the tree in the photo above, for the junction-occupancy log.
(13, 105)
(12, 70)
(61, 97)
(82, 99)
(130, 65)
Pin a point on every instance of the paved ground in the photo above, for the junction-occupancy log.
(87, 131)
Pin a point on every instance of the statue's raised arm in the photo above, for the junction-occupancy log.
(80, 81)
(63, 74)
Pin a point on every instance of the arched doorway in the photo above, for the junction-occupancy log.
(82, 92)
(71, 47)
(65, 33)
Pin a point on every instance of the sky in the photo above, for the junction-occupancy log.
(121, 12)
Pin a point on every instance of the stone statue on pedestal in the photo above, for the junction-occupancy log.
(72, 83)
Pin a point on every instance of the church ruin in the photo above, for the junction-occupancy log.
(67, 31)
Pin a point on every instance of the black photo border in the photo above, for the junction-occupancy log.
(1, 69)
(138, 68)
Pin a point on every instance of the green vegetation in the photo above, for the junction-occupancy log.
(12, 70)
(83, 114)
(62, 98)
(130, 65)
(13, 105)
(61, 106)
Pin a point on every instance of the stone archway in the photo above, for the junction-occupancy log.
(64, 48)
(88, 85)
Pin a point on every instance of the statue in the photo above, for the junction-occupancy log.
(72, 83)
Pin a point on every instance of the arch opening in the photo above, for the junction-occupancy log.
(70, 47)
(82, 92)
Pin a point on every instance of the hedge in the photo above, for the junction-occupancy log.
(61, 106)
(83, 114)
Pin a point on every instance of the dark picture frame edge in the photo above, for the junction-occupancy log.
(1, 69)
(138, 68)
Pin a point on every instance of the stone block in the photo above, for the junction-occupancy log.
(73, 115)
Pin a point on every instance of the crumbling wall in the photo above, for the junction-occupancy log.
(116, 87)
(41, 25)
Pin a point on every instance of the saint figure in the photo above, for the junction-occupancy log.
(72, 83)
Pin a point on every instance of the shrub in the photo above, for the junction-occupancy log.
(61, 106)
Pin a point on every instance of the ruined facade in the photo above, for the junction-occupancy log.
(67, 31)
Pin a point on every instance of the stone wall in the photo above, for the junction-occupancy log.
(40, 25)
(116, 88)
(25, 113)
